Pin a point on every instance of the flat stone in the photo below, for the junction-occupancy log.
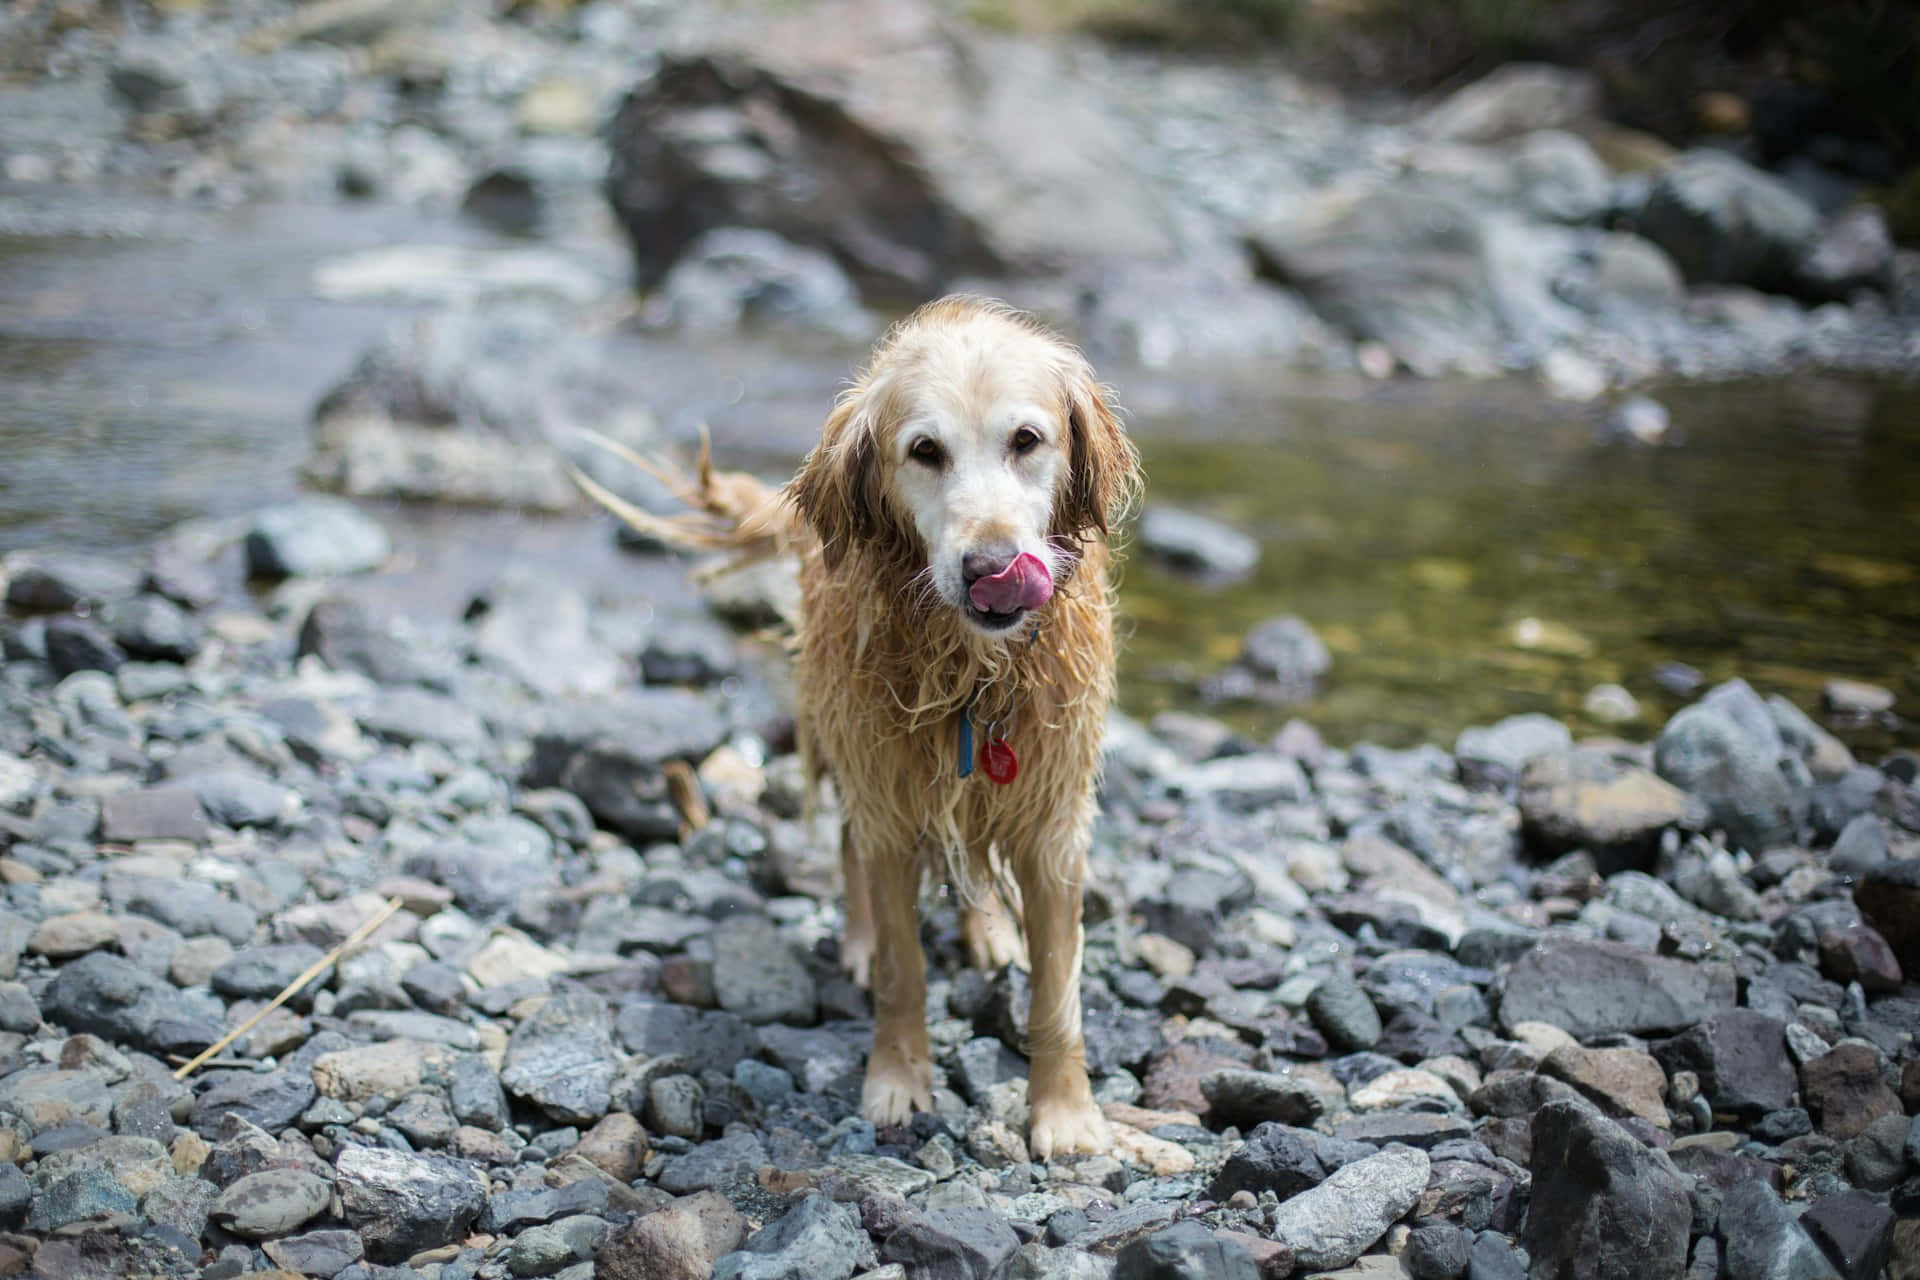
(758, 976)
(271, 1203)
(74, 934)
(972, 1243)
(153, 813)
(317, 1253)
(1332, 1224)
(562, 1059)
(1592, 988)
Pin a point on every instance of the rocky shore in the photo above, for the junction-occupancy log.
(1529, 1006)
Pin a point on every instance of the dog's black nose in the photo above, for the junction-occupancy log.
(984, 562)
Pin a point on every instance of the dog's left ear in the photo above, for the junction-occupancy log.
(1103, 475)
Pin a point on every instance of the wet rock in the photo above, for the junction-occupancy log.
(153, 627)
(1740, 1059)
(407, 716)
(345, 636)
(1196, 545)
(271, 1203)
(1440, 1251)
(1184, 1251)
(78, 1197)
(1591, 988)
(314, 537)
(496, 863)
(758, 976)
(815, 1240)
(710, 1040)
(402, 1203)
(1603, 1205)
(1248, 1098)
(680, 1241)
(271, 1099)
(1857, 953)
(1559, 178)
(1854, 252)
(1844, 1090)
(1334, 1223)
(717, 1164)
(952, 1244)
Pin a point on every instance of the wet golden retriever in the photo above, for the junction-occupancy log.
(955, 661)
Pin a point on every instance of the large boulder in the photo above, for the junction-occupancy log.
(1727, 751)
(1517, 99)
(909, 154)
(1604, 1207)
(1726, 222)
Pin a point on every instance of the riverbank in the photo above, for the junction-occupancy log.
(1447, 1005)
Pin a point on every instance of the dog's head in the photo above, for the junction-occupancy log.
(978, 452)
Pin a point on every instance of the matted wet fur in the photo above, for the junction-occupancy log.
(974, 436)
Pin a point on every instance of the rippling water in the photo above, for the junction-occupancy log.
(1416, 526)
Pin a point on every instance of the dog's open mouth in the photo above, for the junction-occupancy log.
(996, 620)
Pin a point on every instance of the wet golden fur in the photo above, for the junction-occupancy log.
(886, 663)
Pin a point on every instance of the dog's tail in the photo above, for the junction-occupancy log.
(727, 511)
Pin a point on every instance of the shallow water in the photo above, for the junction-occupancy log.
(1414, 525)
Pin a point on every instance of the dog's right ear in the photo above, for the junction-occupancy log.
(837, 489)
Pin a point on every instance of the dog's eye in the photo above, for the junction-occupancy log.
(926, 449)
(1025, 440)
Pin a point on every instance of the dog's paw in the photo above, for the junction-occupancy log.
(1068, 1128)
(993, 939)
(856, 958)
(895, 1090)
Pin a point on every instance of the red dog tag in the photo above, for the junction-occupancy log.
(998, 761)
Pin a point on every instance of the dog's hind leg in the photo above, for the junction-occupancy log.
(1065, 1120)
(900, 1069)
(988, 927)
(856, 944)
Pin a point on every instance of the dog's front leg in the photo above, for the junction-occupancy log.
(900, 1069)
(1065, 1120)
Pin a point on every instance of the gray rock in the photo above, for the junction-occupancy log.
(271, 1202)
(1248, 1098)
(1439, 1251)
(261, 973)
(475, 1094)
(1194, 544)
(345, 636)
(407, 716)
(1726, 750)
(952, 1244)
(1334, 1223)
(191, 907)
(81, 644)
(118, 1000)
(496, 864)
(402, 1203)
(154, 627)
(738, 277)
(1726, 222)
(153, 813)
(317, 1253)
(714, 1165)
(236, 799)
(1760, 1240)
(1496, 755)
(1559, 177)
(815, 1240)
(271, 1099)
(1854, 252)
(1344, 1014)
(1184, 1251)
(708, 1038)
(1590, 988)
(1275, 1157)
(510, 1211)
(1514, 101)
(314, 537)
(543, 1250)
(1163, 315)
(81, 1196)
(758, 976)
(1603, 1205)
(1286, 652)
(51, 581)
(1855, 1229)
(1740, 1058)
(676, 1105)
(562, 1058)
(539, 632)
(1585, 798)
(180, 1203)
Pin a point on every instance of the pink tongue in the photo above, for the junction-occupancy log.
(1024, 584)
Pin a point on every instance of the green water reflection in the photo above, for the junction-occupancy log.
(1418, 528)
